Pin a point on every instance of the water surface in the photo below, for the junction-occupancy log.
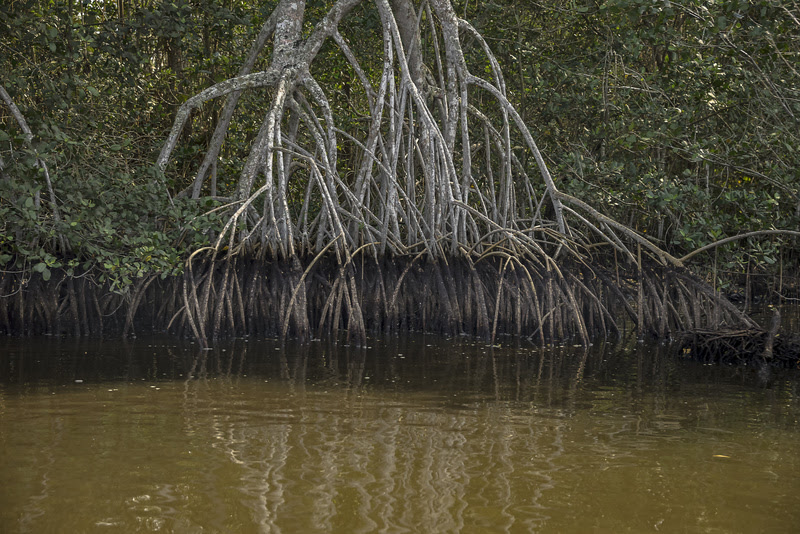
(418, 434)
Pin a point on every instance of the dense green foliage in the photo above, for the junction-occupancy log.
(679, 119)
(98, 86)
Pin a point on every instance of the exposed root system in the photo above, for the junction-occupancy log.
(485, 297)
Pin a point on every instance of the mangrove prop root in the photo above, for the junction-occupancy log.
(501, 294)
(563, 300)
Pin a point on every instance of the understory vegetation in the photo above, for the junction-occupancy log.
(230, 166)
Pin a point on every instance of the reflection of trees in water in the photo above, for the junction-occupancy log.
(337, 439)
(338, 454)
(44, 463)
(324, 438)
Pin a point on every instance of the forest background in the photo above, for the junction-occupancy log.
(679, 119)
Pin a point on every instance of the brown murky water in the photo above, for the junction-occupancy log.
(410, 435)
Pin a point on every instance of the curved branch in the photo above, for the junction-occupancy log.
(23, 124)
(523, 128)
(665, 256)
(221, 129)
(738, 237)
(265, 78)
